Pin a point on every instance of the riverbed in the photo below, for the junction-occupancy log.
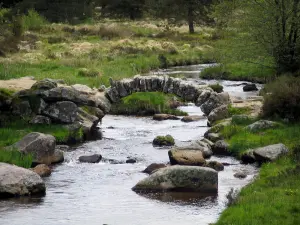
(96, 194)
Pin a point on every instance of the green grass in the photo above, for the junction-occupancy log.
(146, 103)
(12, 132)
(216, 87)
(16, 158)
(239, 72)
(238, 111)
(273, 198)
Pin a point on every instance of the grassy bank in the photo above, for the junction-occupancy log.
(148, 103)
(273, 198)
(116, 49)
(239, 72)
(15, 158)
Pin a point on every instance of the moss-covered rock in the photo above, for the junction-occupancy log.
(167, 140)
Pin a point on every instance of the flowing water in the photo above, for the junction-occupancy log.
(96, 194)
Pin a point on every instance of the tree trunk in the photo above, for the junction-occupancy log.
(191, 19)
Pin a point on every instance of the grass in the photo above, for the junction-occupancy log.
(146, 103)
(273, 198)
(16, 158)
(238, 110)
(216, 87)
(12, 132)
(238, 72)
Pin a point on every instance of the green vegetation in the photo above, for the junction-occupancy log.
(147, 103)
(216, 87)
(167, 140)
(16, 158)
(238, 111)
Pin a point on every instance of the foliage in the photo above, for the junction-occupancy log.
(146, 103)
(238, 111)
(216, 87)
(282, 98)
(16, 158)
(33, 21)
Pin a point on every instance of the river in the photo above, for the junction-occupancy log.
(96, 194)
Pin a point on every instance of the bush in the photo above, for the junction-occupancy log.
(216, 87)
(33, 20)
(282, 98)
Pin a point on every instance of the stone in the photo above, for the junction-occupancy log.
(270, 153)
(62, 112)
(215, 165)
(186, 157)
(83, 89)
(40, 120)
(218, 113)
(188, 119)
(96, 158)
(102, 102)
(21, 108)
(45, 84)
(17, 181)
(214, 101)
(112, 94)
(37, 104)
(41, 146)
(205, 148)
(248, 157)
(131, 161)
(180, 178)
(43, 170)
(261, 125)
(167, 140)
(58, 157)
(250, 87)
(113, 161)
(214, 137)
(221, 147)
(160, 117)
(152, 168)
(240, 175)
(203, 97)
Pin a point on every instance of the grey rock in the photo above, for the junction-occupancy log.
(41, 146)
(215, 165)
(186, 157)
(214, 137)
(62, 112)
(58, 157)
(261, 125)
(90, 159)
(214, 101)
(180, 178)
(83, 89)
(240, 175)
(270, 153)
(188, 119)
(45, 84)
(37, 104)
(250, 87)
(218, 113)
(131, 161)
(21, 108)
(161, 117)
(248, 157)
(17, 181)
(203, 97)
(40, 120)
(154, 167)
(221, 147)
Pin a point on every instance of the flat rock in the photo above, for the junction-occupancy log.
(161, 117)
(180, 178)
(17, 181)
(96, 158)
(270, 153)
(188, 119)
(186, 157)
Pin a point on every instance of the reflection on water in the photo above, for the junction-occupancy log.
(94, 194)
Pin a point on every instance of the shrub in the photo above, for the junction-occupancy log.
(216, 87)
(282, 98)
(34, 21)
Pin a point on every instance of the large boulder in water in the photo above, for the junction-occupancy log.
(17, 181)
(96, 158)
(214, 101)
(186, 157)
(41, 146)
(270, 153)
(62, 112)
(180, 178)
(250, 87)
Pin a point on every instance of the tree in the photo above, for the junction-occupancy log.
(269, 27)
(191, 11)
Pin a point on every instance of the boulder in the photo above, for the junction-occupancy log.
(261, 125)
(40, 120)
(167, 140)
(214, 101)
(45, 84)
(131, 161)
(161, 117)
(199, 146)
(41, 146)
(62, 112)
(248, 157)
(214, 137)
(17, 181)
(186, 157)
(218, 113)
(250, 87)
(270, 153)
(221, 147)
(42, 169)
(83, 89)
(240, 175)
(37, 104)
(96, 158)
(188, 119)
(21, 108)
(58, 157)
(180, 178)
(215, 165)
(203, 97)
(154, 167)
